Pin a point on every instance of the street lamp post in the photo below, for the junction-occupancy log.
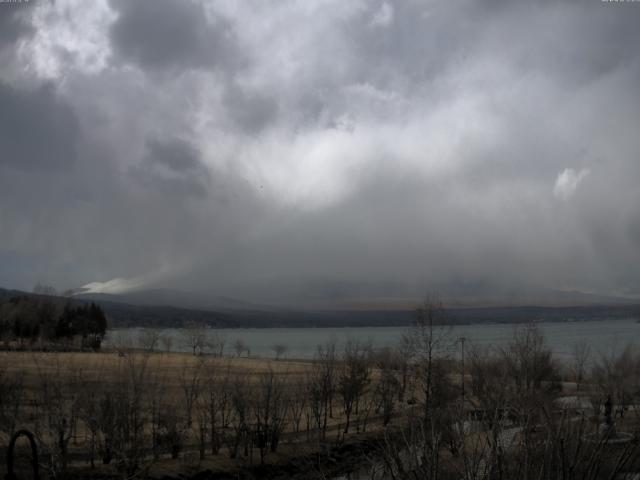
(462, 340)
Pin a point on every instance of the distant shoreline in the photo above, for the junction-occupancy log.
(399, 325)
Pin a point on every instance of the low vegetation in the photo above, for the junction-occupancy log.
(422, 411)
(41, 321)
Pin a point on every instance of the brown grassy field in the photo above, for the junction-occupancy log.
(59, 384)
(171, 365)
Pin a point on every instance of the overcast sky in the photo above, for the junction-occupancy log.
(330, 148)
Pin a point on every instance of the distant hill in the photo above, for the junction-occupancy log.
(540, 298)
(151, 309)
(177, 298)
(458, 297)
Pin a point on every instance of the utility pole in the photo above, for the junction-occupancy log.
(462, 340)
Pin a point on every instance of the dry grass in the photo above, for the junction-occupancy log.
(108, 365)
(78, 371)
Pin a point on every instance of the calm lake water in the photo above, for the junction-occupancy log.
(602, 335)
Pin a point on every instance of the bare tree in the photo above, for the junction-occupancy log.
(122, 415)
(121, 341)
(216, 344)
(11, 397)
(240, 396)
(157, 403)
(217, 398)
(531, 372)
(387, 385)
(56, 405)
(240, 346)
(202, 413)
(488, 382)
(321, 381)
(167, 342)
(298, 402)
(517, 382)
(269, 412)
(148, 339)
(171, 431)
(89, 409)
(580, 358)
(558, 450)
(616, 374)
(431, 340)
(403, 355)
(190, 384)
(279, 349)
(194, 337)
(354, 376)
(40, 289)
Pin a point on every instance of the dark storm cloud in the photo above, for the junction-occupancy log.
(158, 34)
(176, 154)
(13, 22)
(305, 150)
(38, 130)
(173, 167)
(250, 110)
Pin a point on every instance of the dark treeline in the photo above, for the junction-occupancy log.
(124, 315)
(160, 316)
(43, 319)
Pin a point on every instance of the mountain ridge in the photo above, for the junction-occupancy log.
(122, 314)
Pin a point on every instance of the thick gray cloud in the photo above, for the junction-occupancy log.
(13, 22)
(252, 111)
(174, 167)
(166, 33)
(37, 129)
(304, 151)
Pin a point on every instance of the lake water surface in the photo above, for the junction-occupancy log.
(602, 335)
